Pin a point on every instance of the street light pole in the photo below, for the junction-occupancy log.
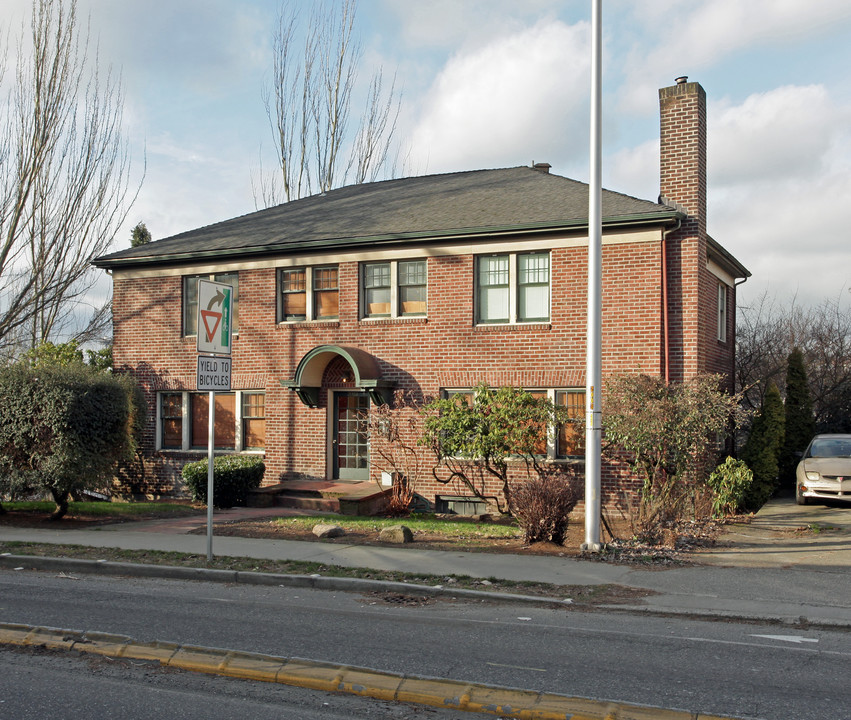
(593, 366)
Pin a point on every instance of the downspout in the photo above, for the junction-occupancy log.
(665, 323)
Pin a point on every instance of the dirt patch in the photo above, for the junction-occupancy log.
(682, 541)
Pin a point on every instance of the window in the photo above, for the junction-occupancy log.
(293, 295)
(570, 440)
(494, 297)
(722, 312)
(513, 288)
(376, 290)
(224, 432)
(240, 421)
(171, 420)
(326, 297)
(394, 289)
(254, 420)
(413, 290)
(190, 299)
(308, 294)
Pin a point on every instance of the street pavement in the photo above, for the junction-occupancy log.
(789, 564)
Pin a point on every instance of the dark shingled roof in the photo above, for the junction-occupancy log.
(397, 211)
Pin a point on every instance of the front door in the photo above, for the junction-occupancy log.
(349, 441)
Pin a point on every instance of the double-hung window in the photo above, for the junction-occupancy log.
(394, 288)
(308, 294)
(190, 299)
(239, 423)
(513, 288)
(722, 312)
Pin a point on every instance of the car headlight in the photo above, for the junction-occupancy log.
(812, 475)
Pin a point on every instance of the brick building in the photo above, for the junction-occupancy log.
(430, 284)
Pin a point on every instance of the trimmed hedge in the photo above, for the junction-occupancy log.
(62, 429)
(233, 477)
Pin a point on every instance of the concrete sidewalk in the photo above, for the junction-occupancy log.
(777, 568)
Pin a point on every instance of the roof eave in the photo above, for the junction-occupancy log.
(611, 223)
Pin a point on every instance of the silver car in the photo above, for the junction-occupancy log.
(824, 472)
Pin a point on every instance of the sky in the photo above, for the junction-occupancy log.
(501, 83)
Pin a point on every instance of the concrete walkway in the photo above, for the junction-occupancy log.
(790, 564)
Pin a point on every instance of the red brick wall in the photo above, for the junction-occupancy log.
(446, 349)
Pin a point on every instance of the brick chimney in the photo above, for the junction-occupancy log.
(683, 149)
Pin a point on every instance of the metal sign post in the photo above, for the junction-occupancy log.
(215, 313)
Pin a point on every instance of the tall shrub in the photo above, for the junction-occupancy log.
(475, 439)
(800, 422)
(761, 452)
(670, 434)
(62, 429)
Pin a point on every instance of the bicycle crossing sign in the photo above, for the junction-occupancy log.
(215, 314)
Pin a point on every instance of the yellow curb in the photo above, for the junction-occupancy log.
(369, 683)
(311, 675)
(198, 659)
(100, 643)
(437, 693)
(252, 666)
(53, 638)
(13, 634)
(161, 652)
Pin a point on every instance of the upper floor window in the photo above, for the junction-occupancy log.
(190, 299)
(722, 312)
(513, 287)
(308, 294)
(394, 289)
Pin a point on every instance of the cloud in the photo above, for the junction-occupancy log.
(520, 98)
(780, 133)
(684, 35)
(779, 185)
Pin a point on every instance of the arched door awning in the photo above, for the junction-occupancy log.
(366, 374)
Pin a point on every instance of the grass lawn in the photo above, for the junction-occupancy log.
(426, 523)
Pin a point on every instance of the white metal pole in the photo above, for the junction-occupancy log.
(593, 372)
(211, 442)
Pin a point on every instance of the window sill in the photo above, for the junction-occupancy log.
(202, 452)
(335, 322)
(402, 320)
(512, 327)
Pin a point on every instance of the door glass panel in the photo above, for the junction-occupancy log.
(351, 452)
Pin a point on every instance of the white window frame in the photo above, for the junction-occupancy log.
(722, 312)
(310, 299)
(513, 289)
(395, 304)
(186, 421)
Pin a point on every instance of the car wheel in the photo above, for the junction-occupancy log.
(800, 499)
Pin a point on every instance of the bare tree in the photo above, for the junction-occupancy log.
(64, 177)
(766, 334)
(318, 144)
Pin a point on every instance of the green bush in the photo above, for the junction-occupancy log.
(233, 477)
(762, 450)
(63, 429)
(730, 481)
(541, 506)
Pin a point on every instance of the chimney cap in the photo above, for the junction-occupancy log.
(682, 80)
(543, 167)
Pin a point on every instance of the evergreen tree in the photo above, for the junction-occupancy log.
(140, 235)
(762, 450)
(800, 421)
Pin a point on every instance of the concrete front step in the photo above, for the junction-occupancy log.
(365, 498)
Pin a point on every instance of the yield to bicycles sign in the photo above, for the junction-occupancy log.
(215, 313)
